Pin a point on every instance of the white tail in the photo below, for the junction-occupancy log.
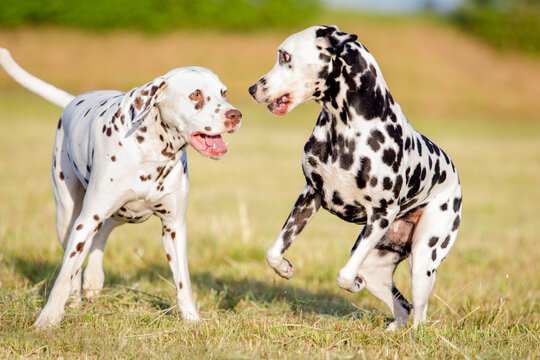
(47, 91)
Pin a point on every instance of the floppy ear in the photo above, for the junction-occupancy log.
(332, 39)
(143, 98)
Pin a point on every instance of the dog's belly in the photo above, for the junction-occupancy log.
(136, 211)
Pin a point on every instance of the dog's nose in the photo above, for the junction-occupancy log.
(234, 116)
(253, 90)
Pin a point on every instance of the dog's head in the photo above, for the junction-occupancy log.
(192, 101)
(304, 61)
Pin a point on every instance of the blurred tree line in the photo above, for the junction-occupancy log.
(504, 23)
(159, 15)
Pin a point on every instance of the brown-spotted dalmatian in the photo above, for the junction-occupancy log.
(121, 158)
(366, 164)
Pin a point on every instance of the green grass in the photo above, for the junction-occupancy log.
(485, 302)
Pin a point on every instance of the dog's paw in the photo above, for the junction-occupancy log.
(353, 285)
(191, 316)
(282, 267)
(91, 295)
(46, 320)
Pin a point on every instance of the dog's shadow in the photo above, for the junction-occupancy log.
(228, 290)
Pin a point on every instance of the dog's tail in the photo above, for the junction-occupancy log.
(47, 91)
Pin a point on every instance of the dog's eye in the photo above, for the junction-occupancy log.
(284, 57)
(196, 95)
(224, 93)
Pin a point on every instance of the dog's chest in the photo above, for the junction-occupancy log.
(331, 171)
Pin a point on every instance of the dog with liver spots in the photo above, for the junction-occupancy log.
(366, 164)
(121, 158)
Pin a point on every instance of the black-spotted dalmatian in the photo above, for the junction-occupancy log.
(120, 158)
(366, 164)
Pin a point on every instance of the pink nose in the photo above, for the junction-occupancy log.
(233, 117)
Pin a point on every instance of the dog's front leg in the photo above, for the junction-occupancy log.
(175, 245)
(304, 209)
(375, 229)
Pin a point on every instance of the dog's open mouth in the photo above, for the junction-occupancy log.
(280, 105)
(208, 145)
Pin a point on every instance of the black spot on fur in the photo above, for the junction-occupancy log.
(433, 241)
(456, 223)
(362, 176)
(434, 255)
(387, 183)
(444, 207)
(457, 204)
(375, 140)
(445, 242)
(336, 198)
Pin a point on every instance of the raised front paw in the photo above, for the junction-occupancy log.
(281, 266)
(354, 284)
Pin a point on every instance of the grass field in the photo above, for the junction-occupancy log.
(479, 105)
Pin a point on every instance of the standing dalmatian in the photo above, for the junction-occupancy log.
(366, 164)
(121, 158)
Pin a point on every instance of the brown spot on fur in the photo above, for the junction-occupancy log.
(96, 217)
(109, 131)
(61, 175)
(173, 235)
(113, 158)
(144, 92)
(79, 227)
(169, 257)
(199, 105)
(143, 128)
(80, 246)
(72, 254)
(138, 102)
(180, 285)
(122, 119)
(208, 128)
(98, 226)
(216, 111)
(140, 139)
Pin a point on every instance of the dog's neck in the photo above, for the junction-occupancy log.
(356, 94)
(158, 140)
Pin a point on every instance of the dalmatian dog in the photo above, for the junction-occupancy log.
(120, 158)
(366, 164)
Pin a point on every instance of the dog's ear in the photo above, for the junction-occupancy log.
(331, 39)
(143, 98)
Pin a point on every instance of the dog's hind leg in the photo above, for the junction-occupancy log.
(376, 274)
(434, 236)
(68, 197)
(93, 274)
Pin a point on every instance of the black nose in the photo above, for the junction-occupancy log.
(253, 90)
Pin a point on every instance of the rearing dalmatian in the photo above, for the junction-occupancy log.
(366, 164)
(121, 158)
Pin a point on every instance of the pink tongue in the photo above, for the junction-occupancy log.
(215, 140)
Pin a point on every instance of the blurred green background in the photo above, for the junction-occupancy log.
(514, 23)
